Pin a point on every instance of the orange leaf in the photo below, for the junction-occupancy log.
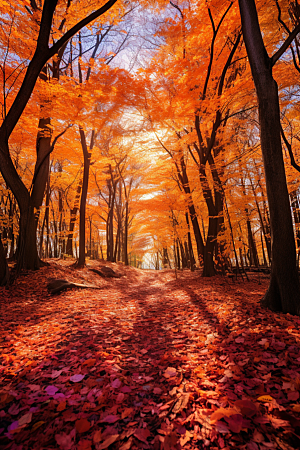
(265, 398)
(97, 437)
(61, 406)
(108, 442)
(126, 413)
(89, 362)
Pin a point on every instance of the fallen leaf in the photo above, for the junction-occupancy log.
(84, 444)
(157, 390)
(37, 425)
(265, 398)
(61, 406)
(110, 440)
(77, 378)
(170, 372)
(82, 425)
(24, 420)
(51, 390)
(126, 412)
(111, 418)
(142, 434)
(246, 407)
(65, 441)
(89, 362)
(97, 437)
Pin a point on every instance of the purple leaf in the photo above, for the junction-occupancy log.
(76, 378)
(51, 390)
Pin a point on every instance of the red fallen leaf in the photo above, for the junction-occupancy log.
(24, 420)
(110, 440)
(97, 437)
(61, 406)
(157, 390)
(126, 412)
(82, 425)
(116, 384)
(84, 445)
(65, 441)
(142, 434)
(235, 422)
(127, 445)
(221, 427)
(294, 395)
(111, 418)
(258, 437)
(120, 397)
(246, 407)
(14, 410)
(89, 362)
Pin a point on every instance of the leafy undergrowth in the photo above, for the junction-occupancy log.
(147, 362)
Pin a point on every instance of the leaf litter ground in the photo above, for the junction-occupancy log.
(146, 362)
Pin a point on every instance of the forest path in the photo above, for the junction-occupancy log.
(144, 362)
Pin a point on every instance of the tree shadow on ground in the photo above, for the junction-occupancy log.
(223, 346)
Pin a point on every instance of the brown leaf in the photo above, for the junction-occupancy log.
(181, 403)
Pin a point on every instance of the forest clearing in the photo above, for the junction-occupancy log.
(148, 361)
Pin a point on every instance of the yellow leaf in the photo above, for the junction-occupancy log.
(265, 398)
(296, 408)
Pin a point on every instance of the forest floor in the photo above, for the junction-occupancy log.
(147, 361)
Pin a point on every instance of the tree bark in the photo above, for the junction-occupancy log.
(85, 183)
(41, 55)
(4, 273)
(283, 293)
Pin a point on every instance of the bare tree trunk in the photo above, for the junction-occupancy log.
(4, 273)
(283, 293)
(85, 183)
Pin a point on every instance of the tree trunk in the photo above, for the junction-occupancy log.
(85, 183)
(27, 254)
(125, 245)
(4, 273)
(191, 252)
(252, 245)
(73, 214)
(209, 269)
(283, 293)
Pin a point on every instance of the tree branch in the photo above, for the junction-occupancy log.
(54, 49)
(38, 167)
(285, 45)
(289, 148)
